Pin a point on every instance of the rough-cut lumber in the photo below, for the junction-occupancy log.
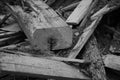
(89, 12)
(43, 27)
(39, 67)
(78, 14)
(83, 38)
(96, 67)
(112, 61)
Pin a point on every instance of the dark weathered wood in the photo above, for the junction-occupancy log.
(43, 27)
(39, 67)
(80, 11)
(112, 61)
(96, 68)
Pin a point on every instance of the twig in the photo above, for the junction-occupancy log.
(4, 19)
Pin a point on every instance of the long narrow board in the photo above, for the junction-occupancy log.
(39, 67)
(43, 27)
(84, 38)
(80, 11)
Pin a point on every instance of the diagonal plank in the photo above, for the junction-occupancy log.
(83, 38)
(80, 11)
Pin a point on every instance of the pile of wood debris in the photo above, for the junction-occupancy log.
(60, 39)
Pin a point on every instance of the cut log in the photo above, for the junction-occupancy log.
(78, 14)
(84, 38)
(38, 67)
(112, 61)
(43, 27)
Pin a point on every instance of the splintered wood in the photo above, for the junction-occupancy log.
(43, 27)
(88, 31)
(39, 67)
(78, 14)
(84, 38)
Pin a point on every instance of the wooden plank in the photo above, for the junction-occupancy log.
(83, 38)
(43, 27)
(39, 67)
(78, 14)
(112, 61)
(81, 61)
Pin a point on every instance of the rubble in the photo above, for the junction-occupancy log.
(59, 39)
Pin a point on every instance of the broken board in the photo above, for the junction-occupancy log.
(112, 61)
(80, 11)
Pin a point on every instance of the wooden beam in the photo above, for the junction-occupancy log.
(87, 32)
(78, 14)
(43, 27)
(38, 67)
(112, 61)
